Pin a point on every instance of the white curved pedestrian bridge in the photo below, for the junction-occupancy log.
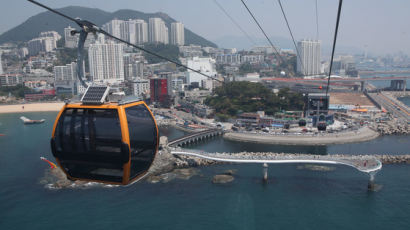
(365, 163)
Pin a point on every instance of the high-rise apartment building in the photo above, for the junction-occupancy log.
(141, 31)
(158, 31)
(159, 91)
(134, 31)
(1, 66)
(177, 34)
(113, 27)
(106, 62)
(310, 56)
(133, 66)
(42, 44)
(128, 31)
(70, 41)
(52, 34)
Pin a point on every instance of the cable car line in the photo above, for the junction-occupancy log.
(159, 56)
(291, 34)
(334, 44)
(235, 22)
(263, 31)
(89, 27)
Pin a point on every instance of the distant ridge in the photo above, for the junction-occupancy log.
(48, 21)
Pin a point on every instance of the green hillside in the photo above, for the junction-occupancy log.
(48, 21)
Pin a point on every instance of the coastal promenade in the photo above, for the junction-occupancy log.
(362, 134)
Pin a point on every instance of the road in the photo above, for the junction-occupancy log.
(398, 110)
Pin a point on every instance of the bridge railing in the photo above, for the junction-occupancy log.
(193, 135)
(364, 163)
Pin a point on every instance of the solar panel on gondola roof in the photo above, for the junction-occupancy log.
(95, 95)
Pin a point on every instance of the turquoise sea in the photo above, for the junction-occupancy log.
(293, 198)
(405, 100)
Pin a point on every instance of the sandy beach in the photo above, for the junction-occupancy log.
(32, 107)
(363, 134)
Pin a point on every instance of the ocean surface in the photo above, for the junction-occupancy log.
(405, 100)
(384, 84)
(292, 199)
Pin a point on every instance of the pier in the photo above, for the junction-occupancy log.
(366, 164)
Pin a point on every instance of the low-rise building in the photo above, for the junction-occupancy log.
(140, 87)
(10, 79)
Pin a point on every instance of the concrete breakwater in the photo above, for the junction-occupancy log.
(363, 134)
(189, 161)
(393, 129)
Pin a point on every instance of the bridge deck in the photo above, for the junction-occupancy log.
(367, 164)
(194, 135)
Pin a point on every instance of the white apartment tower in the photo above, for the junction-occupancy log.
(141, 32)
(70, 40)
(310, 56)
(158, 31)
(1, 67)
(113, 27)
(128, 31)
(106, 62)
(52, 34)
(42, 44)
(177, 34)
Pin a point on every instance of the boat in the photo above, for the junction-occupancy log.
(27, 121)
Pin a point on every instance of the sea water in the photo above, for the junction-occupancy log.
(293, 198)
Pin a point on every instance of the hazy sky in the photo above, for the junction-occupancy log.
(383, 26)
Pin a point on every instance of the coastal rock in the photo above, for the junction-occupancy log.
(184, 174)
(222, 179)
(230, 172)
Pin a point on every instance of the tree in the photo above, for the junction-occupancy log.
(168, 51)
(235, 97)
(246, 68)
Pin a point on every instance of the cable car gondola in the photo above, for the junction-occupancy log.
(108, 142)
(321, 126)
(302, 122)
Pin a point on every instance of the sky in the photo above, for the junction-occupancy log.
(379, 26)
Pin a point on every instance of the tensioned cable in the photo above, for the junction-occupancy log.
(334, 44)
(235, 22)
(91, 27)
(291, 34)
(260, 27)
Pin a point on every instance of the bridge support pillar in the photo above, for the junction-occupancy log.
(371, 184)
(398, 85)
(265, 172)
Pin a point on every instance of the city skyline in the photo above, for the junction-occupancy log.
(359, 28)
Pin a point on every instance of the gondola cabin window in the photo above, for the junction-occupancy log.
(143, 139)
(88, 144)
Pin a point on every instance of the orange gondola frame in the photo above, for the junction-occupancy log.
(135, 153)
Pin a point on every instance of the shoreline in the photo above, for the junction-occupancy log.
(363, 134)
(32, 107)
